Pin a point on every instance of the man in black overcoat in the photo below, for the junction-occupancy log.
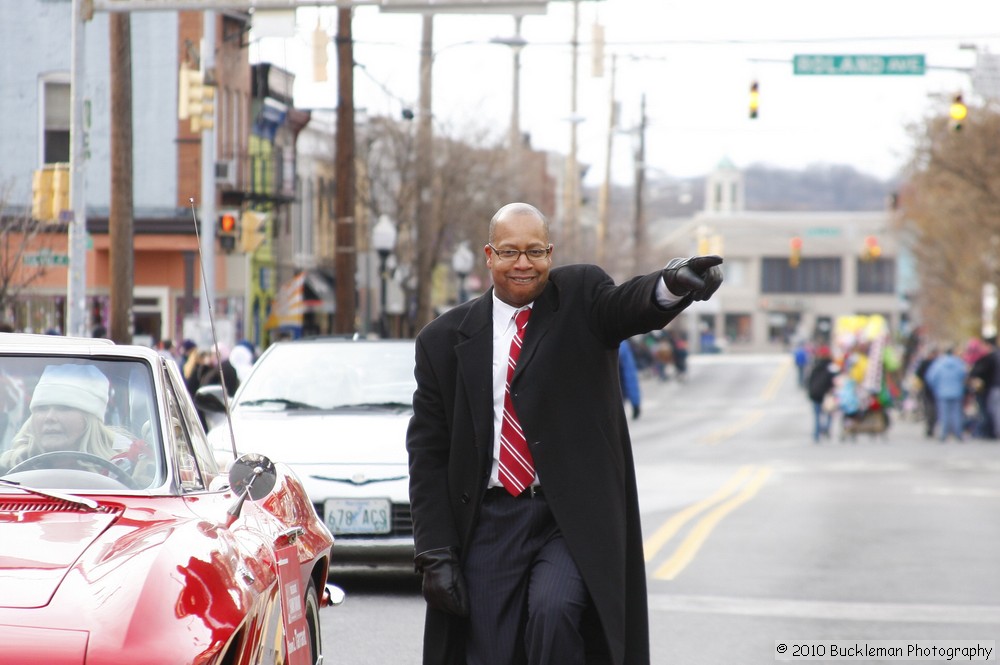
(554, 573)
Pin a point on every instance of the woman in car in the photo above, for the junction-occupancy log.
(67, 414)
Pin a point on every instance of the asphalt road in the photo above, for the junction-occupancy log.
(756, 537)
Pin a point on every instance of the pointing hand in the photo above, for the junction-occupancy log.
(699, 276)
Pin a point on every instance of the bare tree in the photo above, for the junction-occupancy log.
(21, 240)
(470, 181)
(950, 210)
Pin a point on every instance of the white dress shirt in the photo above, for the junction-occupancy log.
(503, 333)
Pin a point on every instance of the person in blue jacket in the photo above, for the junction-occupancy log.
(946, 377)
(629, 375)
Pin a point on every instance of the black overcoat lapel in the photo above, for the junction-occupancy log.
(474, 351)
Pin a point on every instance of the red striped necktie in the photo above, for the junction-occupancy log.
(517, 469)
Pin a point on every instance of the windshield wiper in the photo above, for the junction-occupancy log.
(289, 404)
(376, 405)
(71, 498)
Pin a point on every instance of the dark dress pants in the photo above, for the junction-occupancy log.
(526, 595)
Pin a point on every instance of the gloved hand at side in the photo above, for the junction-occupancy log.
(698, 276)
(444, 586)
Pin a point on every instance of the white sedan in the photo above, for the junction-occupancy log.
(335, 410)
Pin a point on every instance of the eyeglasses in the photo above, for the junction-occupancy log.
(534, 254)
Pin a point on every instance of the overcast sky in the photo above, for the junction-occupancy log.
(694, 61)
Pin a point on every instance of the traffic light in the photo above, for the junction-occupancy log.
(253, 226)
(794, 251)
(871, 250)
(41, 194)
(195, 99)
(227, 230)
(207, 118)
(754, 99)
(958, 111)
(50, 192)
(60, 189)
(189, 85)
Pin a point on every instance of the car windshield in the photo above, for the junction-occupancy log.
(328, 375)
(78, 423)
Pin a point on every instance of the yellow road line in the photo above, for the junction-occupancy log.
(718, 435)
(655, 542)
(768, 394)
(776, 379)
(699, 533)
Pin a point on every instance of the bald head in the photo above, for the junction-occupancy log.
(515, 210)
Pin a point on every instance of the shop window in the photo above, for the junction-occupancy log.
(811, 275)
(877, 276)
(56, 112)
(739, 328)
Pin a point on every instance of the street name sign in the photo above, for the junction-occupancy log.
(859, 65)
(45, 258)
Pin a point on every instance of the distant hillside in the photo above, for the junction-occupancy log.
(818, 188)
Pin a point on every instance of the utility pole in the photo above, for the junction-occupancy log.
(604, 200)
(76, 288)
(572, 196)
(640, 180)
(425, 251)
(208, 212)
(347, 257)
(120, 219)
(517, 175)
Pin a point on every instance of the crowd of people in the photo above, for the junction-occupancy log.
(662, 354)
(862, 377)
(213, 365)
(958, 389)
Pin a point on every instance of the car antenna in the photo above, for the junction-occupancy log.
(215, 338)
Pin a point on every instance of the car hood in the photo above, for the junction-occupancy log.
(306, 438)
(39, 548)
(136, 572)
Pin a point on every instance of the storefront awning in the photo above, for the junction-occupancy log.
(288, 305)
(318, 294)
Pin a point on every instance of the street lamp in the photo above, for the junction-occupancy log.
(461, 263)
(384, 241)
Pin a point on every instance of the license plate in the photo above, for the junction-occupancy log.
(358, 516)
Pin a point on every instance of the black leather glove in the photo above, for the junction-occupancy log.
(635, 411)
(699, 276)
(444, 586)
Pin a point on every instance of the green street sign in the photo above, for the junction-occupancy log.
(859, 65)
(45, 258)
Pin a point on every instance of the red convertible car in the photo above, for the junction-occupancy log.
(121, 539)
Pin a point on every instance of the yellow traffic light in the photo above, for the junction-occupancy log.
(795, 251)
(252, 228)
(208, 107)
(41, 194)
(872, 250)
(189, 84)
(703, 242)
(50, 192)
(60, 189)
(195, 99)
(958, 111)
(754, 99)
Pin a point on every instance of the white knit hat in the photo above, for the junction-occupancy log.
(82, 387)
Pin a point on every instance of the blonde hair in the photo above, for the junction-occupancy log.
(97, 439)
